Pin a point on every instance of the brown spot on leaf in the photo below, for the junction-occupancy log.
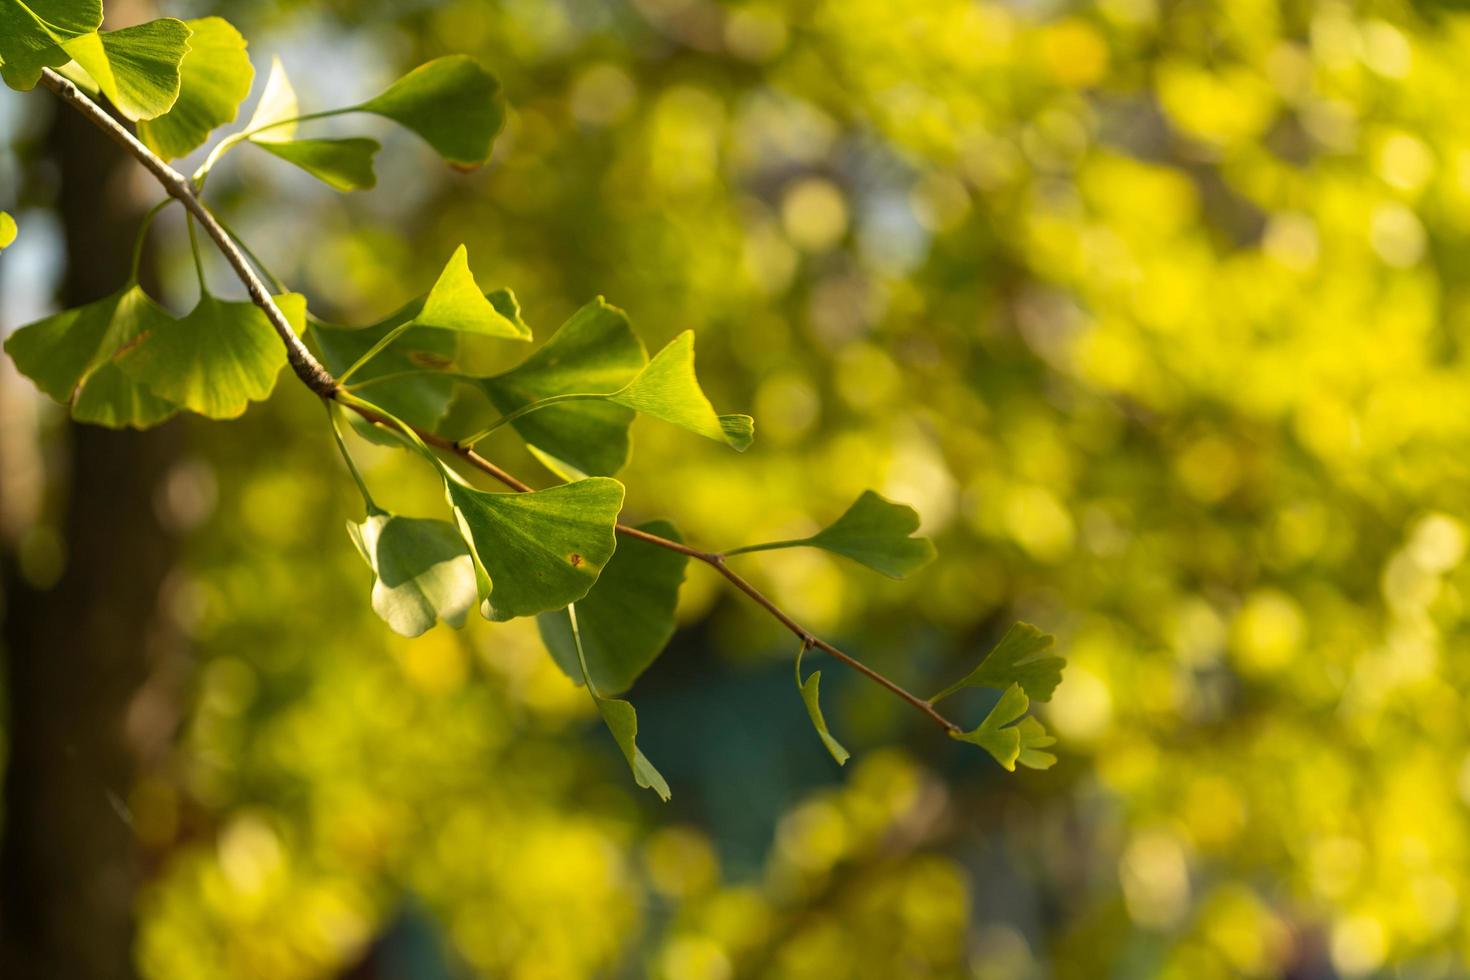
(576, 559)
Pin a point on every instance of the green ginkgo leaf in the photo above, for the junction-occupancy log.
(8, 230)
(1011, 743)
(215, 78)
(218, 358)
(874, 532)
(32, 32)
(342, 164)
(627, 618)
(453, 103)
(668, 389)
(138, 68)
(811, 694)
(416, 390)
(457, 304)
(535, 552)
(423, 571)
(594, 351)
(622, 720)
(275, 114)
(108, 397)
(57, 352)
(1021, 657)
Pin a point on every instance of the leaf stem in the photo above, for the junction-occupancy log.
(376, 349)
(367, 497)
(768, 546)
(527, 409)
(198, 258)
(142, 238)
(235, 139)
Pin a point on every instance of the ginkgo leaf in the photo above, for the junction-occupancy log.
(215, 77)
(342, 164)
(874, 532)
(57, 352)
(218, 358)
(622, 721)
(811, 694)
(594, 351)
(1021, 657)
(996, 734)
(452, 102)
(108, 397)
(1033, 739)
(668, 389)
(423, 571)
(627, 618)
(457, 304)
(8, 230)
(537, 551)
(275, 114)
(417, 393)
(138, 68)
(32, 32)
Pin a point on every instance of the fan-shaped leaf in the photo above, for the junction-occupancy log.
(594, 351)
(627, 618)
(1021, 657)
(811, 694)
(138, 68)
(275, 114)
(8, 230)
(342, 164)
(453, 103)
(32, 32)
(457, 304)
(217, 359)
(668, 389)
(420, 398)
(215, 77)
(538, 551)
(1010, 743)
(874, 532)
(424, 571)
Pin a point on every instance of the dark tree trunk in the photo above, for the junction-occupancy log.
(77, 653)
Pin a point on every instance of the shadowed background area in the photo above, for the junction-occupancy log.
(1156, 312)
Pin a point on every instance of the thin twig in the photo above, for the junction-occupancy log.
(319, 380)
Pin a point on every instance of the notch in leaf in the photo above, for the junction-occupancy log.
(668, 389)
(215, 78)
(595, 350)
(32, 33)
(621, 719)
(1021, 657)
(8, 230)
(811, 694)
(539, 551)
(627, 618)
(138, 68)
(1008, 743)
(874, 531)
(423, 570)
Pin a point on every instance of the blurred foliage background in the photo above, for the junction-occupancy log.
(1155, 309)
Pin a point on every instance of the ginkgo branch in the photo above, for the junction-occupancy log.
(320, 381)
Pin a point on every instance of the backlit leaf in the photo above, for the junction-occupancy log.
(594, 351)
(453, 103)
(217, 359)
(1011, 743)
(275, 114)
(138, 68)
(57, 352)
(421, 398)
(215, 77)
(811, 694)
(622, 721)
(874, 532)
(424, 571)
(32, 32)
(457, 304)
(1021, 657)
(342, 164)
(668, 389)
(628, 617)
(535, 552)
(8, 230)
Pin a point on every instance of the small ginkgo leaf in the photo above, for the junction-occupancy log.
(215, 77)
(627, 618)
(453, 103)
(341, 164)
(416, 391)
(1033, 739)
(275, 114)
(32, 32)
(8, 230)
(57, 352)
(138, 68)
(423, 571)
(996, 734)
(874, 532)
(594, 351)
(457, 304)
(811, 694)
(217, 359)
(622, 721)
(668, 389)
(535, 552)
(1021, 657)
